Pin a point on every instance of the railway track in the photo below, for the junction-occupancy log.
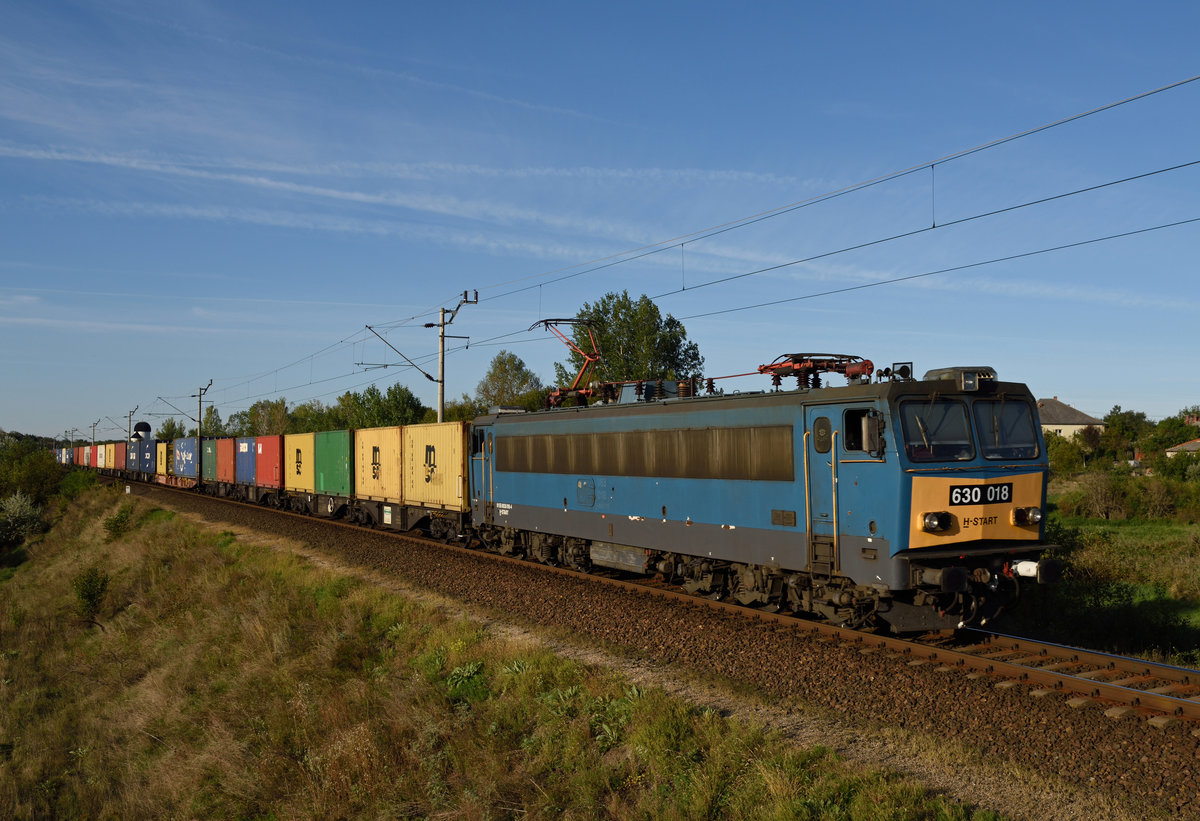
(1122, 685)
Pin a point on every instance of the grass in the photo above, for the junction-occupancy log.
(228, 680)
(1150, 553)
(1131, 586)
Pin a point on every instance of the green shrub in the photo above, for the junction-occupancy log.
(76, 482)
(19, 517)
(91, 586)
(119, 523)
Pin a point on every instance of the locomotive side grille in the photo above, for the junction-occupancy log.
(759, 453)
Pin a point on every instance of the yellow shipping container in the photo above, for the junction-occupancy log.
(298, 463)
(435, 465)
(110, 456)
(378, 468)
(161, 457)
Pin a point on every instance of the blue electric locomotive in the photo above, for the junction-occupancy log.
(912, 504)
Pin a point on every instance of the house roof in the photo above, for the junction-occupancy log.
(1053, 412)
(1187, 447)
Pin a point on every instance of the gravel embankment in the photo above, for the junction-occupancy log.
(1125, 759)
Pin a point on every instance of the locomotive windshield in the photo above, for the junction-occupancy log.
(1006, 429)
(937, 430)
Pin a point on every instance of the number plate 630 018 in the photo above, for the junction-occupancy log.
(981, 494)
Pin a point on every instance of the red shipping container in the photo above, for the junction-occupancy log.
(268, 466)
(119, 451)
(94, 456)
(226, 466)
(79, 455)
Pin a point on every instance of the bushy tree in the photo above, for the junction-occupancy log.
(1089, 439)
(19, 517)
(213, 426)
(376, 409)
(266, 417)
(463, 409)
(635, 341)
(1123, 432)
(1065, 454)
(171, 429)
(509, 381)
(28, 467)
(1170, 432)
(1105, 494)
(313, 416)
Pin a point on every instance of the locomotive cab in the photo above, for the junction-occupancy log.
(975, 472)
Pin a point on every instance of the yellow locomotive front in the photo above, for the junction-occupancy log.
(973, 453)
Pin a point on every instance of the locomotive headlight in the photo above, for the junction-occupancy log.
(934, 522)
(1027, 515)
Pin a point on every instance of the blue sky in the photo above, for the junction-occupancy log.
(232, 191)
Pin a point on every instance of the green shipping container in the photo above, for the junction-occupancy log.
(332, 460)
(208, 465)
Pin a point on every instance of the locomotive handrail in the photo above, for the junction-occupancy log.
(833, 468)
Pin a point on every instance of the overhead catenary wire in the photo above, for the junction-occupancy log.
(602, 263)
(864, 285)
(933, 227)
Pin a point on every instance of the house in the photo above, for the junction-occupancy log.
(1187, 447)
(1061, 418)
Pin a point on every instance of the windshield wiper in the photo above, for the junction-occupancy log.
(924, 436)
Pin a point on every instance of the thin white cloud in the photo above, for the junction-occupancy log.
(442, 205)
(324, 63)
(472, 240)
(93, 326)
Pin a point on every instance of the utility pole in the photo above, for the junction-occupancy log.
(129, 423)
(441, 326)
(199, 433)
(97, 422)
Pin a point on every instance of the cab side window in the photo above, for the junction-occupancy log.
(853, 424)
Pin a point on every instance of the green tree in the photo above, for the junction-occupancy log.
(376, 409)
(313, 416)
(266, 417)
(463, 409)
(171, 429)
(213, 426)
(509, 381)
(1066, 456)
(1123, 432)
(27, 467)
(1168, 433)
(635, 342)
(1089, 439)
(19, 517)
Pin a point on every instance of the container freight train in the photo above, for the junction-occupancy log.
(896, 503)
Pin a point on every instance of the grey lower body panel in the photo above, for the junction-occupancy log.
(865, 560)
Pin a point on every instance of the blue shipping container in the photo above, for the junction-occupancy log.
(184, 465)
(149, 454)
(133, 457)
(245, 457)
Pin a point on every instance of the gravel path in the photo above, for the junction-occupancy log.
(990, 746)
